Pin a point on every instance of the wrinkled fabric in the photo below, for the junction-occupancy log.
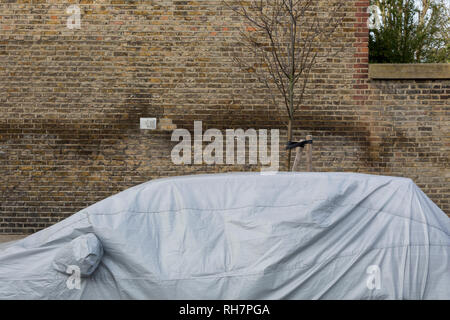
(84, 252)
(243, 236)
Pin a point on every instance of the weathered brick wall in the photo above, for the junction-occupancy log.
(71, 102)
(410, 119)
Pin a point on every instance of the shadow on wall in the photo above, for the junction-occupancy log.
(412, 113)
(64, 145)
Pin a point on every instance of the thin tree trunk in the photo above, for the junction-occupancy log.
(289, 138)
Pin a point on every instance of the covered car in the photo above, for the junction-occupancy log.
(241, 236)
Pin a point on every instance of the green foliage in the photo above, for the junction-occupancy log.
(410, 33)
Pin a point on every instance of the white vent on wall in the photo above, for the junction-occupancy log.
(148, 123)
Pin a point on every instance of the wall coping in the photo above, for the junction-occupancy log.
(409, 71)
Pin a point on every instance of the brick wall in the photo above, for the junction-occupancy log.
(411, 122)
(71, 102)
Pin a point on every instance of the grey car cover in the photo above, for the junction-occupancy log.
(241, 236)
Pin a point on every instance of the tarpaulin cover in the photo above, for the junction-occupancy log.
(241, 236)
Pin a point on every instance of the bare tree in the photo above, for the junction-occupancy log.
(286, 39)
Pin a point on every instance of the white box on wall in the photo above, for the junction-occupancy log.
(148, 123)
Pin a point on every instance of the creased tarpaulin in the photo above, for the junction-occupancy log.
(243, 236)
